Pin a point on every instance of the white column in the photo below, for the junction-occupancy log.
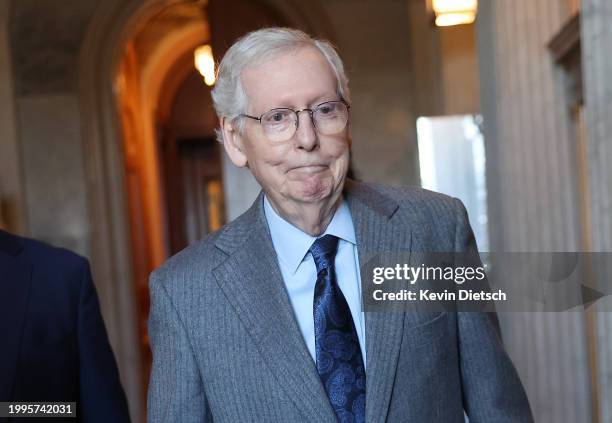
(596, 37)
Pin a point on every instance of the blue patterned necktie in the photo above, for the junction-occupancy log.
(339, 360)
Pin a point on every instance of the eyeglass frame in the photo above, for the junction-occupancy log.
(310, 111)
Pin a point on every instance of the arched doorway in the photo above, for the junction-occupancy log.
(154, 65)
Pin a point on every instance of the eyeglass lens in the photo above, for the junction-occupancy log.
(329, 118)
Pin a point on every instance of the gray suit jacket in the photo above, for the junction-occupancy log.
(227, 347)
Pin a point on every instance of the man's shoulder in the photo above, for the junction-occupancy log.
(196, 262)
(416, 201)
(409, 193)
(433, 218)
(42, 256)
(52, 269)
(202, 257)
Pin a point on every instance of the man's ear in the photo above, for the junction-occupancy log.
(232, 141)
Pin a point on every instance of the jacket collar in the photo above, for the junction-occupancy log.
(358, 195)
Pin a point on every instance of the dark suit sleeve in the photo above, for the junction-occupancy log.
(492, 390)
(101, 396)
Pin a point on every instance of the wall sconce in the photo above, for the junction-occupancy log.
(455, 12)
(205, 63)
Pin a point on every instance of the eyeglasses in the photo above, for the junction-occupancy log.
(280, 124)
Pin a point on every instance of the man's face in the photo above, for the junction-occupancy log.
(309, 167)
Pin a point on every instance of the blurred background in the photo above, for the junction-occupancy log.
(107, 144)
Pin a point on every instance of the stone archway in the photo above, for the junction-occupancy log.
(104, 163)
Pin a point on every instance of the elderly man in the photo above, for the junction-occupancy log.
(263, 322)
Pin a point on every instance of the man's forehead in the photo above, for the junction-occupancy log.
(275, 62)
(297, 71)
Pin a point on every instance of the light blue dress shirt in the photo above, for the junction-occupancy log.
(300, 274)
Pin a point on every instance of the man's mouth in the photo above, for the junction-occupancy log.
(313, 168)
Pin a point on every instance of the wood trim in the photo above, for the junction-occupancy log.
(566, 51)
(564, 43)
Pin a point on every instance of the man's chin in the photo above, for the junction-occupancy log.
(314, 192)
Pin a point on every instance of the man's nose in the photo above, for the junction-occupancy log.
(306, 133)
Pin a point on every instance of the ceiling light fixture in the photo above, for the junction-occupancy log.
(455, 12)
(205, 63)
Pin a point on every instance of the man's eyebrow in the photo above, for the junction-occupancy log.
(289, 104)
(325, 100)
(320, 100)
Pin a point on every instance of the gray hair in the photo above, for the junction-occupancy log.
(229, 98)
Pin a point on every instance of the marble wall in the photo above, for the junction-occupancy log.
(532, 172)
(56, 196)
(374, 43)
(597, 67)
(45, 80)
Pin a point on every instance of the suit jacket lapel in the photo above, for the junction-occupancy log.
(371, 212)
(252, 282)
(15, 283)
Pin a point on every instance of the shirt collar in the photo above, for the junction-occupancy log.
(291, 243)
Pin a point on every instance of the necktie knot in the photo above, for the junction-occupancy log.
(323, 251)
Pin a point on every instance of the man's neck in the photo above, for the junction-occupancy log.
(312, 218)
